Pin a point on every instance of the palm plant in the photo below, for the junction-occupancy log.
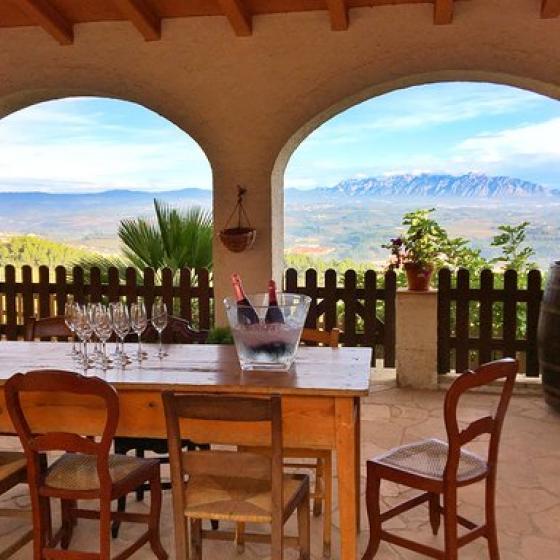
(176, 239)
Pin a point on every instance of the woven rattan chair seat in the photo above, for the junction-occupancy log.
(235, 499)
(10, 463)
(76, 471)
(428, 458)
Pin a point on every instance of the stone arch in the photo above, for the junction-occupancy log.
(10, 103)
(375, 90)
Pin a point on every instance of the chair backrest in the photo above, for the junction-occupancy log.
(506, 370)
(50, 384)
(318, 336)
(223, 463)
(178, 331)
(46, 328)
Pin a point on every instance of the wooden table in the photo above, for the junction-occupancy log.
(320, 402)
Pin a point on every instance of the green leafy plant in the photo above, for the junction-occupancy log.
(515, 254)
(422, 244)
(175, 239)
(219, 335)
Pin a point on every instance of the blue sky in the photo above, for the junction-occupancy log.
(88, 144)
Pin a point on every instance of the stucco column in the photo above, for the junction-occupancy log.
(416, 352)
(264, 203)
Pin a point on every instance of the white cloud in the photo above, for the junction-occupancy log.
(50, 147)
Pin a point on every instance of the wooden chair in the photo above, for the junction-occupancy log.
(178, 331)
(86, 470)
(230, 485)
(438, 467)
(13, 467)
(320, 460)
(46, 328)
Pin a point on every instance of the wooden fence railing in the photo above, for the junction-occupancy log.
(365, 314)
(22, 295)
(479, 321)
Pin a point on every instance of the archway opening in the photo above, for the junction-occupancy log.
(482, 154)
(72, 169)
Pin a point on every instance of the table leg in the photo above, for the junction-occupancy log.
(358, 464)
(345, 426)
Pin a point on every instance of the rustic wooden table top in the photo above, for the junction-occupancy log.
(316, 372)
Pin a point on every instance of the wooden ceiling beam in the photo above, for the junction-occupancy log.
(51, 20)
(550, 8)
(443, 12)
(338, 12)
(142, 17)
(238, 15)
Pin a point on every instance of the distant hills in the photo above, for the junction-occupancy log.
(470, 185)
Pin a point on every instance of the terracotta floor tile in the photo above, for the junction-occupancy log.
(528, 494)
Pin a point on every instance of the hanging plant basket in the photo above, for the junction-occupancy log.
(238, 239)
(242, 237)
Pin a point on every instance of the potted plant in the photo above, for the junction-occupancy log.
(419, 249)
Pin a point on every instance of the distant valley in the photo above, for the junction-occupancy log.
(349, 220)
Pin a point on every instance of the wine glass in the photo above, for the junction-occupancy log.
(139, 323)
(121, 326)
(159, 321)
(70, 310)
(84, 330)
(94, 309)
(103, 328)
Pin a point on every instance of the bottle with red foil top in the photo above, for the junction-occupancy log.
(273, 313)
(246, 314)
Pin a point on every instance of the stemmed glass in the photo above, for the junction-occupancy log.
(84, 330)
(139, 323)
(103, 328)
(70, 310)
(159, 321)
(121, 326)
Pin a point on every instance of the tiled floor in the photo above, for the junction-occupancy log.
(528, 498)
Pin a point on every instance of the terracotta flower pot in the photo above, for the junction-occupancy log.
(238, 239)
(418, 276)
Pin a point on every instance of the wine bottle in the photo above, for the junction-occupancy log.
(273, 313)
(246, 314)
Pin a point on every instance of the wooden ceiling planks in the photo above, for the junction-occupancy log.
(58, 17)
(550, 9)
(51, 20)
(338, 12)
(142, 17)
(443, 12)
(238, 16)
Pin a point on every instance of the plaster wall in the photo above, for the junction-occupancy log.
(250, 101)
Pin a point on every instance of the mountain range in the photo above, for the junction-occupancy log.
(470, 185)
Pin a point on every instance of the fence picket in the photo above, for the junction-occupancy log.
(204, 293)
(390, 330)
(43, 290)
(485, 316)
(185, 296)
(462, 323)
(510, 312)
(330, 299)
(350, 301)
(10, 290)
(27, 292)
(311, 291)
(444, 320)
(95, 290)
(61, 289)
(534, 297)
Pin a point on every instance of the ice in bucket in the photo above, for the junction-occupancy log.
(265, 340)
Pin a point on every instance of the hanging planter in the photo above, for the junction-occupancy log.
(242, 237)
